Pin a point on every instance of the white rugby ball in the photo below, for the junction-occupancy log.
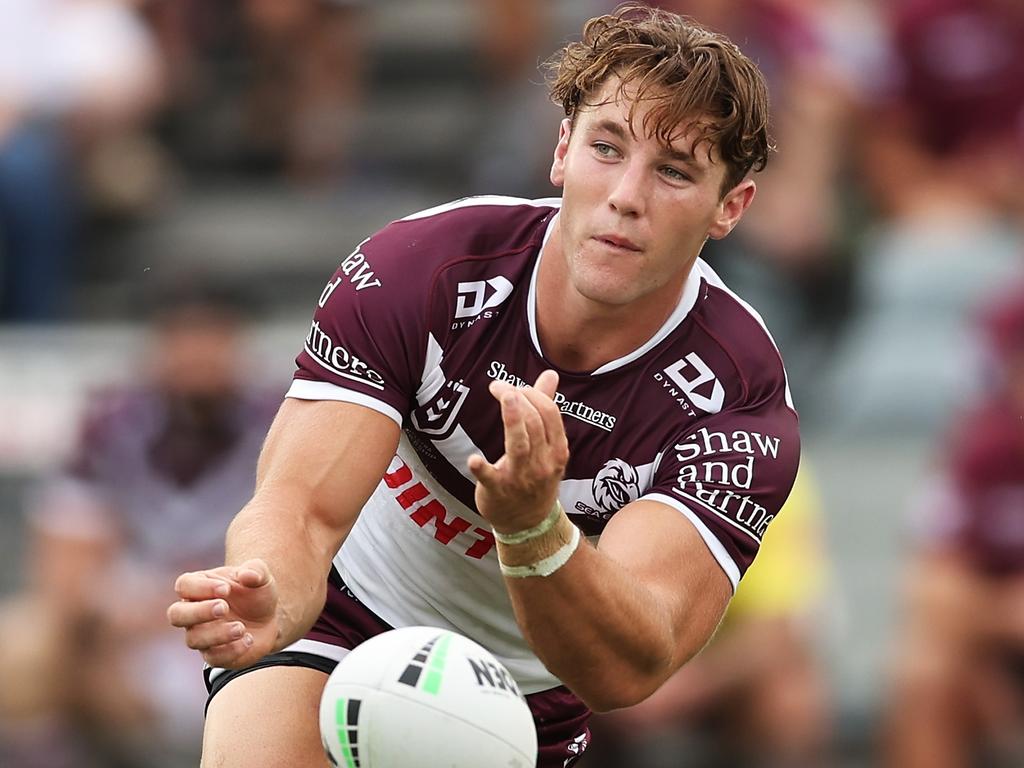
(422, 697)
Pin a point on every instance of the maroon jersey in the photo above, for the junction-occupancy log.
(976, 507)
(960, 67)
(164, 482)
(421, 317)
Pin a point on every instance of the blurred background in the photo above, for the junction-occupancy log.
(178, 178)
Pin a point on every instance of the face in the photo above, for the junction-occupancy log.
(635, 212)
(198, 357)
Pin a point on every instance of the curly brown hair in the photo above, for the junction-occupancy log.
(700, 79)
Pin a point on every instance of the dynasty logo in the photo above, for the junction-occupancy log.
(479, 299)
(701, 389)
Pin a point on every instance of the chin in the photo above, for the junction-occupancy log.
(612, 293)
(607, 283)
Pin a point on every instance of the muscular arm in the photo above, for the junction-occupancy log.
(618, 620)
(321, 461)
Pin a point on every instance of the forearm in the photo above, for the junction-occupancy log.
(320, 462)
(612, 623)
(298, 551)
(598, 629)
(307, 499)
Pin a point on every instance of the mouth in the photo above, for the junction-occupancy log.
(619, 243)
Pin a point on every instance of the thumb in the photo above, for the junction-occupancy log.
(253, 574)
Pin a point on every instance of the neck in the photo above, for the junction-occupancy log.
(579, 334)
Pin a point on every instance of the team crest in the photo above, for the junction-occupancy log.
(616, 484)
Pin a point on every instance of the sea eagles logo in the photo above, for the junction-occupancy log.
(616, 484)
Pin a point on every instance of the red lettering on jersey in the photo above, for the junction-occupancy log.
(410, 496)
(399, 477)
(483, 546)
(443, 530)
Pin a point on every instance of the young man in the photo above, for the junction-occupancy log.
(470, 366)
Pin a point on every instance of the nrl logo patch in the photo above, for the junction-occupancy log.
(437, 417)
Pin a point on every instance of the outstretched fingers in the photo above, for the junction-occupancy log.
(216, 607)
(188, 613)
(540, 399)
(230, 654)
(485, 472)
(202, 585)
(252, 574)
(525, 428)
(547, 383)
(513, 418)
(212, 635)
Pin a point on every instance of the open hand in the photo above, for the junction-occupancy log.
(519, 489)
(228, 613)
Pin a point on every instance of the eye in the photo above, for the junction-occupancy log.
(604, 150)
(674, 173)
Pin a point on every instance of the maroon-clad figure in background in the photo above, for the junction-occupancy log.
(948, 128)
(567, 370)
(959, 669)
(163, 460)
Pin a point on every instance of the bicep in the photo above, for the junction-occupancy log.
(667, 555)
(325, 457)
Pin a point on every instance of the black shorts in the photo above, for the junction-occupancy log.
(561, 718)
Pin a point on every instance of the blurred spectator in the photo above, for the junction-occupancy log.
(757, 695)
(948, 133)
(942, 151)
(262, 87)
(74, 75)
(160, 470)
(512, 37)
(958, 674)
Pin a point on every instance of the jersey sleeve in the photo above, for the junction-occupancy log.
(730, 475)
(367, 340)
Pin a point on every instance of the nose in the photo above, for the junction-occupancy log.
(628, 196)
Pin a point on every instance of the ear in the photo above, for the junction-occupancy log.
(557, 175)
(731, 209)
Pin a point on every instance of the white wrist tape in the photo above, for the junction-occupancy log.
(539, 529)
(548, 565)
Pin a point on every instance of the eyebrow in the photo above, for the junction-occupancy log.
(670, 153)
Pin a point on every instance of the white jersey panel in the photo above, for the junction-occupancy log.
(409, 575)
